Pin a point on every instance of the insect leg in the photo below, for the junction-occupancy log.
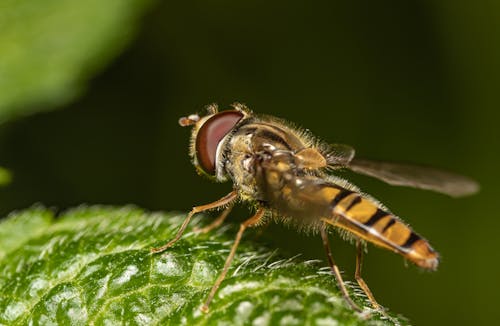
(218, 221)
(336, 271)
(197, 209)
(359, 279)
(250, 222)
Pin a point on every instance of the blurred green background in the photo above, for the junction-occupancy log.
(412, 81)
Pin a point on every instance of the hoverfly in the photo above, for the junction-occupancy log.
(284, 172)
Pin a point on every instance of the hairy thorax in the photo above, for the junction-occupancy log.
(248, 145)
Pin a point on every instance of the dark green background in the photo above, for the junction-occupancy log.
(411, 81)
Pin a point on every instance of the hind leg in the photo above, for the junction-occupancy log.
(336, 271)
(359, 279)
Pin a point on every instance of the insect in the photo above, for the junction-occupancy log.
(285, 172)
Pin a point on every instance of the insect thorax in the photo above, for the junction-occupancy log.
(244, 150)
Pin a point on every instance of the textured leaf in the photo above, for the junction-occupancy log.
(92, 265)
(48, 48)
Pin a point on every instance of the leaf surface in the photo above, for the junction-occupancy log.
(93, 265)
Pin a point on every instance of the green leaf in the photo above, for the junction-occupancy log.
(93, 265)
(49, 48)
(5, 176)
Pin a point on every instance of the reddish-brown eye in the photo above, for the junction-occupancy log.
(209, 136)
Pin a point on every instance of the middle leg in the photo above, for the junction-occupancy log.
(255, 219)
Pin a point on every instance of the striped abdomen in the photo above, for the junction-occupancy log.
(363, 217)
(305, 198)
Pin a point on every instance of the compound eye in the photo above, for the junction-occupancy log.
(210, 135)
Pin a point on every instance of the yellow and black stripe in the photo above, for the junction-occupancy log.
(362, 216)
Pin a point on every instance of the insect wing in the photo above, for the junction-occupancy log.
(422, 177)
(339, 155)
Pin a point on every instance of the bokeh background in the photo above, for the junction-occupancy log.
(414, 81)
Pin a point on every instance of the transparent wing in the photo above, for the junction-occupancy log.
(422, 177)
(339, 155)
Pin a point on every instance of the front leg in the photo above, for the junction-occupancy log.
(228, 199)
(217, 222)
